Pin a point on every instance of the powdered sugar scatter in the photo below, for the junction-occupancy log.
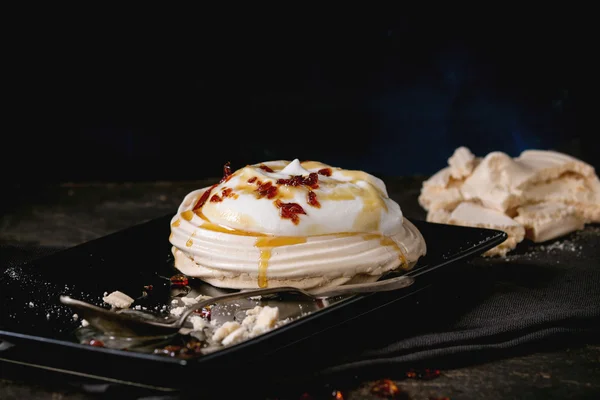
(562, 246)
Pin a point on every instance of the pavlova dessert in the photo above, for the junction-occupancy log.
(303, 224)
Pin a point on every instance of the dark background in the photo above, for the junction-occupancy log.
(122, 99)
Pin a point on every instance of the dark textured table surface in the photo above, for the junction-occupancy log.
(65, 215)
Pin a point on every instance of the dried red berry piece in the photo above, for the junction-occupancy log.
(96, 343)
(385, 388)
(179, 280)
(324, 172)
(290, 210)
(265, 168)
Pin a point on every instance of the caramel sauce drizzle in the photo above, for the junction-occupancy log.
(187, 215)
(386, 241)
(312, 165)
(210, 226)
(266, 245)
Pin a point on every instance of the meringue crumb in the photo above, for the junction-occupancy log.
(118, 299)
(254, 311)
(225, 330)
(235, 337)
(84, 323)
(249, 320)
(177, 311)
(199, 323)
(266, 319)
(188, 301)
(75, 317)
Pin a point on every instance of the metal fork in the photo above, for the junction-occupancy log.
(139, 324)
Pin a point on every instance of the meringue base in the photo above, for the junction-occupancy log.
(188, 267)
(232, 279)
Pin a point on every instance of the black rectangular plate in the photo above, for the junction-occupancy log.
(40, 329)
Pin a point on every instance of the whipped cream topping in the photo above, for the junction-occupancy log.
(304, 224)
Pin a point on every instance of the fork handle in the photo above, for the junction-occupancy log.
(380, 286)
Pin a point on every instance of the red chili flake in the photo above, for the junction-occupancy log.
(265, 168)
(193, 346)
(215, 198)
(205, 312)
(312, 181)
(325, 172)
(337, 395)
(385, 388)
(290, 211)
(251, 180)
(425, 374)
(204, 197)
(179, 280)
(228, 192)
(226, 172)
(96, 343)
(170, 350)
(312, 199)
(266, 190)
(320, 303)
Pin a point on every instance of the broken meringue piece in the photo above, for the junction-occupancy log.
(546, 221)
(540, 194)
(118, 299)
(461, 163)
(470, 214)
